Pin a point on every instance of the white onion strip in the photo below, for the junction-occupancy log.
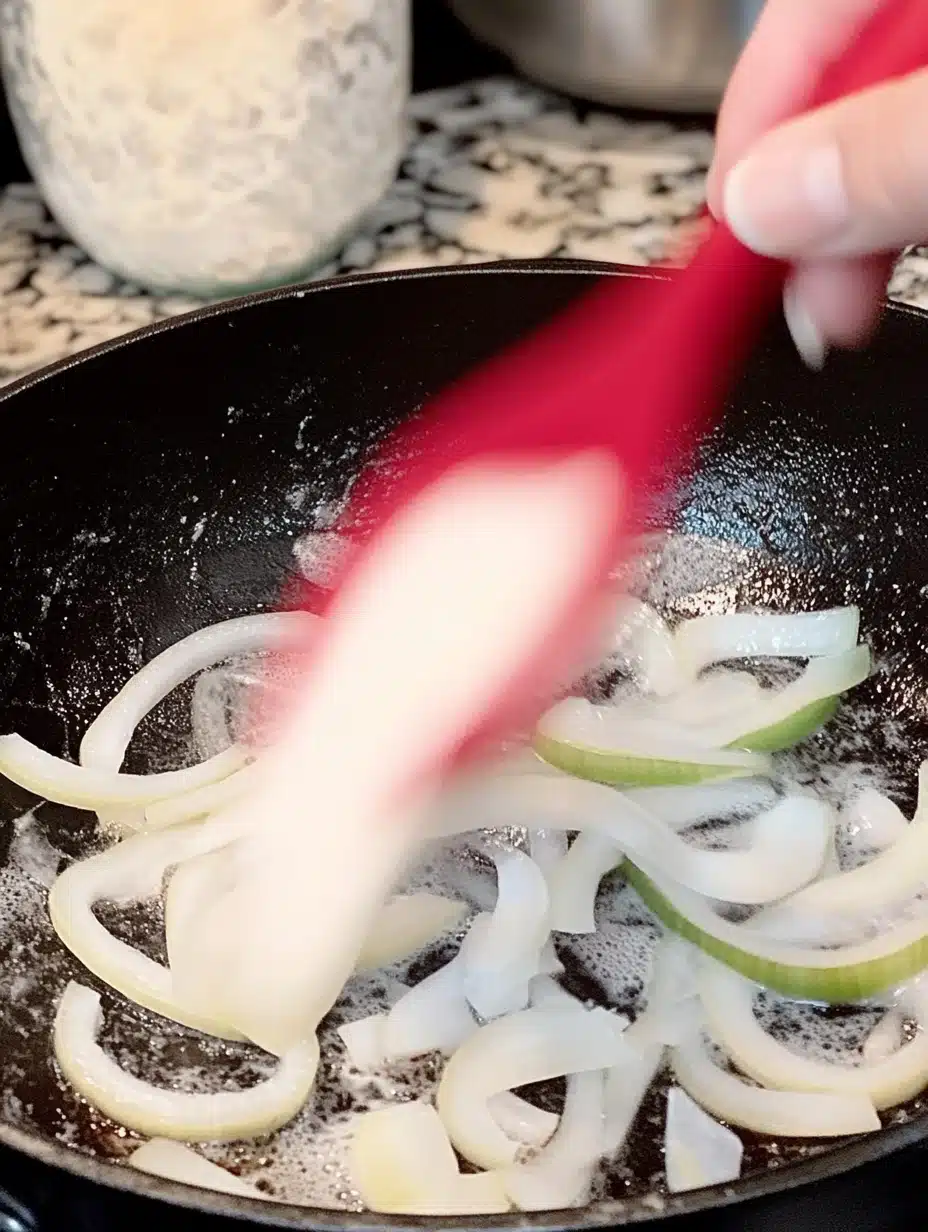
(530, 1046)
(63, 782)
(577, 724)
(790, 840)
(176, 1162)
(782, 1114)
(888, 880)
(547, 848)
(202, 801)
(709, 699)
(516, 1117)
(878, 820)
(628, 1081)
(403, 1164)
(560, 1176)
(886, 1038)
(434, 1016)
(697, 1150)
(643, 643)
(221, 1117)
(670, 993)
(503, 955)
(822, 678)
(209, 719)
(107, 738)
(522, 1121)
(575, 882)
(717, 800)
(705, 640)
(130, 870)
(728, 1000)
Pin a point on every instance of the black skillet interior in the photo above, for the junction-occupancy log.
(157, 486)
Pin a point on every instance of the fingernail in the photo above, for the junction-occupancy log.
(784, 202)
(810, 343)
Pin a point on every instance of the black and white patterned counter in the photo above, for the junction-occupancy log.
(497, 169)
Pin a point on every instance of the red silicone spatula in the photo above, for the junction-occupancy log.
(626, 379)
(475, 591)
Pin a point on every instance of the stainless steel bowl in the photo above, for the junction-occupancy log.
(664, 54)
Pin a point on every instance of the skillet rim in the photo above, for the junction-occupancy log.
(113, 1176)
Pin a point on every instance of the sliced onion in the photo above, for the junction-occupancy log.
(107, 738)
(209, 719)
(548, 961)
(533, 1045)
(643, 642)
(402, 1163)
(547, 993)
(851, 973)
(130, 870)
(823, 909)
(672, 996)
(680, 807)
(670, 993)
(886, 1038)
(522, 1121)
(789, 841)
(875, 817)
(503, 956)
(547, 848)
(63, 782)
(728, 1000)
(220, 1117)
(516, 1117)
(560, 1176)
(202, 801)
(628, 1080)
(698, 1152)
(434, 1016)
(709, 699)
(742, 635)
(782, 1114)
(788, 715)
(176, 1162)
(575, 882)
(406, 924)
(603, 744)
(364, 1043)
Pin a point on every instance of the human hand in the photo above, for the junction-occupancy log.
(838, 191)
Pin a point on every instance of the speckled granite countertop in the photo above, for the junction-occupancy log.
(496, 169)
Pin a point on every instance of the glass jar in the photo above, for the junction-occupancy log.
(208, 146)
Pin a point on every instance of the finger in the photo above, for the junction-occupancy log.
(835, 303)
(777, 72)
(845, 181)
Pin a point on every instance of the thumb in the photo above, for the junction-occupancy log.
(848, 180)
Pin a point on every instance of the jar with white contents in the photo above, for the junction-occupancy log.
(208, 146)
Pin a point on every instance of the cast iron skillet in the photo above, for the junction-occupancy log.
(155, 485)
